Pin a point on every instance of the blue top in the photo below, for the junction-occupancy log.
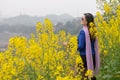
(82, 43)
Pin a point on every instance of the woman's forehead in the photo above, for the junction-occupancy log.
(83, 16)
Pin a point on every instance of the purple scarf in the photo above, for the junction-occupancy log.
(89, 58)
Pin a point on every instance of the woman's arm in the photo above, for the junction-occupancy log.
(81, 40)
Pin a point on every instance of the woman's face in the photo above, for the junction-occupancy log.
(83, 21)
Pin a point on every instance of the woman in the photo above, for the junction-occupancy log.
(88, 45)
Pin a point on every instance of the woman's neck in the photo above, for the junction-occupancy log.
(84, 25)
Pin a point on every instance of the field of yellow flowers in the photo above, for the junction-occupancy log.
(108, 26)
(44, 57)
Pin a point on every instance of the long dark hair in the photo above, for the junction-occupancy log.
(90, 20)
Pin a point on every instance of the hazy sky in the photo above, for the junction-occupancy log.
(75, 8)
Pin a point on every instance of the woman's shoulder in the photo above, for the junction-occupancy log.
(82, 31)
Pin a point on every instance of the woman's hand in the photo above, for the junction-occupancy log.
(65, 43)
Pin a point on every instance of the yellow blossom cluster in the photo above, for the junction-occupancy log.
(109, 42)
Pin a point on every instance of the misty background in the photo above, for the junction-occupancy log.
(19, 17)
